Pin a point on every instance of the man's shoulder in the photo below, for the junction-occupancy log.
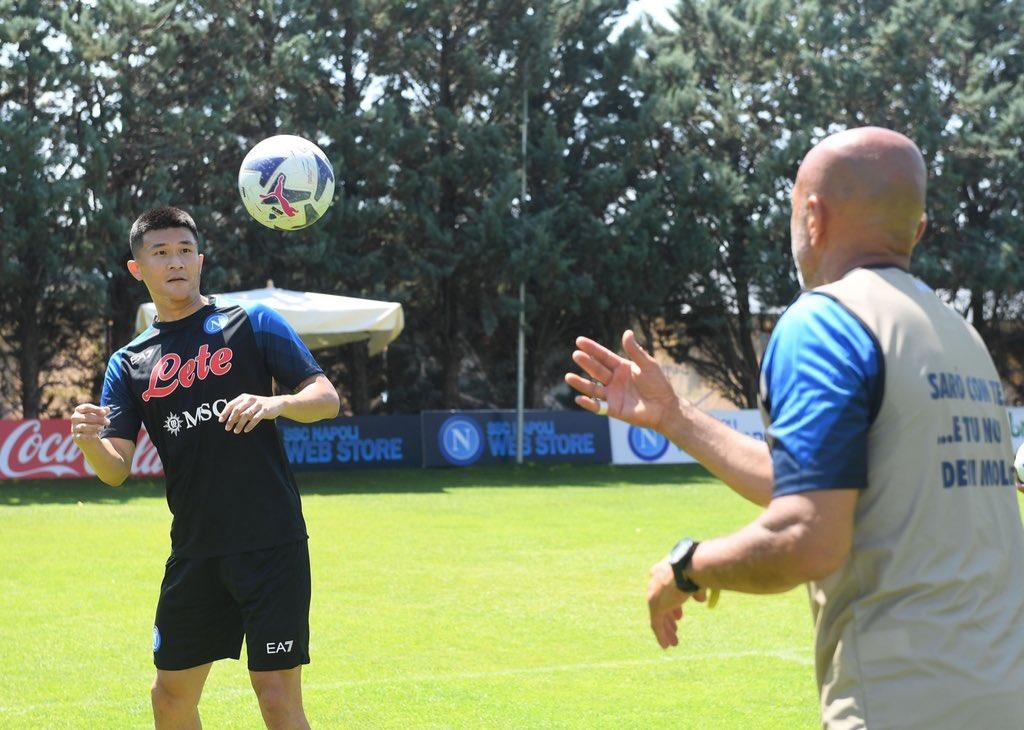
(819, 329)
(258, 313)
(136, 348)
(813, 309)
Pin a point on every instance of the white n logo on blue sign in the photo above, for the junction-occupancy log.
(460, 440)
(647, 443)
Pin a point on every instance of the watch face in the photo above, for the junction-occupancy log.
(678, 559)
(680, 550)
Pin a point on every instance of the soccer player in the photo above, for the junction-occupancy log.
(886, 479)
(200, 380)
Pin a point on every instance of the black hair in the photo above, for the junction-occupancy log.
(157, 219)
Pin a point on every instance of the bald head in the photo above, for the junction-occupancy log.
(862, 192)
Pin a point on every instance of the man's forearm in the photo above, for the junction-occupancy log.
(110, 466)
(753, 560)
(799, 538)
(742, 462)
(314, 402)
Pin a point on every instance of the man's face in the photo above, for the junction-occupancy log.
(169, 264)
(798, 234)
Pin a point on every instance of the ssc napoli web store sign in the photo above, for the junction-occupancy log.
(356, 442)
(44, 449)
(632, 445)
(463, 438)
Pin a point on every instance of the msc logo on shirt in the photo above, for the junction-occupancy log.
(171, 371)
(174, 422)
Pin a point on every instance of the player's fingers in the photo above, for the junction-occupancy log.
(665, 630)
(598, 353)
(227, 411)
(254, 419)
(85, 430)
(656, 629)
(590, 404)
(235, 410)
(672, 631)
(89, 422)
(241, 419)
(91, 409)
(589, 388)
(235, 405)
(635, 351)
(596, 369)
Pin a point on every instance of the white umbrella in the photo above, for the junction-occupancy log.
(322, 320)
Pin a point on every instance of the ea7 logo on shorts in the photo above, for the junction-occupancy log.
(280, 647)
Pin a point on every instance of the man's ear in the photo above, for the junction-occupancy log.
(920, 227)
(134, 270)
(816, 220)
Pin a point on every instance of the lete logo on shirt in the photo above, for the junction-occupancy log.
(171, 371)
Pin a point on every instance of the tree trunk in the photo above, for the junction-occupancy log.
(28, 365)
(359, 381)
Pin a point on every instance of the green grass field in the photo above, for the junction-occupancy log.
(475, 598)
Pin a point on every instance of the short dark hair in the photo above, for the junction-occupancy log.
(157, 219)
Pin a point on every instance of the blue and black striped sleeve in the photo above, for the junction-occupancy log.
(285, 354)
(823, 373)
(125, 421)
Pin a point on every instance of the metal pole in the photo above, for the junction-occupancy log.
(521, 348)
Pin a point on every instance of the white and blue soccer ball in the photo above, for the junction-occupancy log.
(286, 182)
(1018, 464)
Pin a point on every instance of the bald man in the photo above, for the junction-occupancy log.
(886, 478)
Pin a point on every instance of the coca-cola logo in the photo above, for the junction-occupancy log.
(36, 449)
(146, 462)
(171, 371)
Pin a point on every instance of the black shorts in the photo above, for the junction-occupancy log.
(208, 604)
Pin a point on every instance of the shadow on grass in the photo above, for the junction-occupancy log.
(72, 491)
(376, 481)
(384, 481)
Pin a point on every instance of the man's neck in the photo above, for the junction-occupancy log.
(168, 311)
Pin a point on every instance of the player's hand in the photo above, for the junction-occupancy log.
(87, 421)
(635, 389)
(246, 411)
(665, 603)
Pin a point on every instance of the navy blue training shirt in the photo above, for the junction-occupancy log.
(228, 493)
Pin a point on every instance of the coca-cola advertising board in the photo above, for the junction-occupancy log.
(44, 449)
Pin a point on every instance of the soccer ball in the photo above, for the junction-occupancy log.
(1018, 464)
(286, 182)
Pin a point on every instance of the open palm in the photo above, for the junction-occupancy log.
(635, 388)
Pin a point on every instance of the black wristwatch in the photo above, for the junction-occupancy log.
(679, 559)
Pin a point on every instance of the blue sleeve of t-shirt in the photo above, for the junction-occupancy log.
(125, 421)
(287, 357)
(823, 374)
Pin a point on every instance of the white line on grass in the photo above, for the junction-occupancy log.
(780, 654)
(20, 710)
